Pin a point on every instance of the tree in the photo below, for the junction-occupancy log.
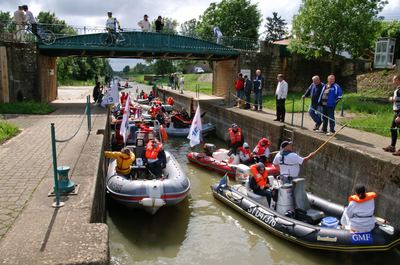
(391, 29)
(188, 28)
(335, 26)
(235, 18)
(52, 23)
(276, 28)
(5, 22)
(162, 67)
(126, 69)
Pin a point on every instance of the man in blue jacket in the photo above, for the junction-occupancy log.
(315, 110)
(330, 95)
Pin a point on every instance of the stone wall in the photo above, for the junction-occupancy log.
(276, 59)
(332, 174)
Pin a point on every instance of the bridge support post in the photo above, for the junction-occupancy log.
(4, 85)
(224, 76)
(47, 86)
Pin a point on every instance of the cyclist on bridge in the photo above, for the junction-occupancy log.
(111, 24)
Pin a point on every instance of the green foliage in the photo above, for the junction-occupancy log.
(52, 23)
(26, 107)
(391, 29)
(188, 28)
(170, 25)
(5, 22)
(235, 18)
(276, 28)
(81, 68)
(141, 68)
(162, 67)
(7, 130)
(336, 26)
(126, 69)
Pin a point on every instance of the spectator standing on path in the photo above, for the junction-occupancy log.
(30, 19)
(281, 94)
(159, 24)
(144, 24)
(258, 86)
(396, 118)
(330, 95)
(182, 83)
(171, 80)
(315, 110)
(217, 34)
(176, 81)
(248, 86)
(20, 20)
(239, 85)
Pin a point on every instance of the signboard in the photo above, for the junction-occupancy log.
(246, 72)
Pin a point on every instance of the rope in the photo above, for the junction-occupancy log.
(79, 127)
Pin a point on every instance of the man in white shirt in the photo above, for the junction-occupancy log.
(20, 20)
(281, 94)
(217, 34)
(144, 24)
(288, 162)
(112, 23)
(182, 83)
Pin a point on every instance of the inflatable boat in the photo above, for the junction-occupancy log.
(144, 190)
(309, 221)
(218, 162)
(184, 132)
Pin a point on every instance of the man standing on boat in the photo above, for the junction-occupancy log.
(288, 162)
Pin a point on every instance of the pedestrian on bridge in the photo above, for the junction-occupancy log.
(20, 20)
(159, 24)
(30, 19)
(145, 24)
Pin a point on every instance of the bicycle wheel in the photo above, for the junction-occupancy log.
(47, 37)
(106, 39)
(25, 36)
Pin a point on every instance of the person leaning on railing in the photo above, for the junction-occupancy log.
(30, 19)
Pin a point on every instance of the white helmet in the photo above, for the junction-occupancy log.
(246, 145)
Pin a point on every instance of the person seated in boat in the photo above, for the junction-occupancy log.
(141, 94)
(245, 154)
(151, 95)
(153, 111)
(155, 157)
(124, 158)
(161, 117)
(358, 216)
(126, 84)
(235, 138)
(261, 151)
(170, 101)
(259, 181)
(288, 162)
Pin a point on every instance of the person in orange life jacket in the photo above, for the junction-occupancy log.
(261, 151)
(235, 138)
(170, 101)
(155, 157)
(394, 128)
(125, 158)
(245, 154)
(288, 162)
(259, 181)
(359, 214)
(154, 110)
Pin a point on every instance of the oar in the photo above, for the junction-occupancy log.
(329, 139)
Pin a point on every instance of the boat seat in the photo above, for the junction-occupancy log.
(258, 198)
(303, 210)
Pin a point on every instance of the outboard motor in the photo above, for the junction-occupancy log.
(285, 199)
(242, 173)
(209, 149)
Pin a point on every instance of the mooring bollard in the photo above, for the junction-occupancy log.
(292, 109)
(342, 109)
(89, 114)
(65, 185)
(57, 204)
(302, 113)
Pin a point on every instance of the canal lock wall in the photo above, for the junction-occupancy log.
(332, 174)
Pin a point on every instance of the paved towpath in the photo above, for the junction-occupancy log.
(26, 159)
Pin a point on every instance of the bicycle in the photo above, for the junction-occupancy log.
(112, 38)
(27, 34)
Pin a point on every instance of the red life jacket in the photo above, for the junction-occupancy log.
(153, 111)
(260, 148)
(170, 101)
(239, 84)
(151, 151)
(368, 196)
(145, 95)
(235, 136)
(245, 151)
(261, 179)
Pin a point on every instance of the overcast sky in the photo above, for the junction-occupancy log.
(129, 12)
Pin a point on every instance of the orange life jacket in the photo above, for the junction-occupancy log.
(145, 95)
(261, 179)
(368, 196)
(151, 151)
(260, 148)
(235, 136)
(170, 101)
(245, 151)
(153, 111)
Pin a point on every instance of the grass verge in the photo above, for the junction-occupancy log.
(7, 130)
(26, 107)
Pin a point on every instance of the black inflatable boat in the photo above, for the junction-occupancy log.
(305, 224)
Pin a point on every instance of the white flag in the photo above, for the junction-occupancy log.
(195, 129)
(110, 96)
(125, 123)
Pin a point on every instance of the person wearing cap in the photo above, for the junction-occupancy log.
(288, 162)
(245, 154)
(111, 26)
(359, 215)
(235, 138)
(261, 151)
(259, 181)
(144, 24)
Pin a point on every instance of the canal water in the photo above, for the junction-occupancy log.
(202, 230)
